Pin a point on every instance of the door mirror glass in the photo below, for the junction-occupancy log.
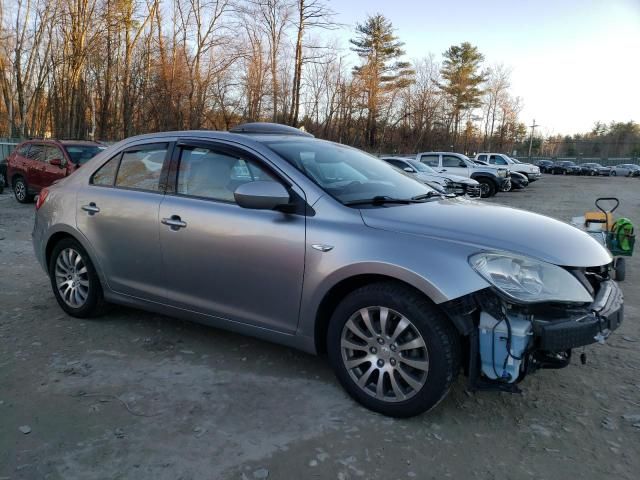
(261, 195)
(56, 162)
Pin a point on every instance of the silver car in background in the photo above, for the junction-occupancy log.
(270, 232)
(454, 184)
(626, 170)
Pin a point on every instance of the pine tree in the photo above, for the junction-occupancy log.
(382, 72)
(463, 79)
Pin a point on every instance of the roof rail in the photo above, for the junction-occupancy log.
(266, 128)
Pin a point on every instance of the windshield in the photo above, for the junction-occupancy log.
(81, 154)
(346, 173)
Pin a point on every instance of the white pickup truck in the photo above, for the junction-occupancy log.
(501, 160)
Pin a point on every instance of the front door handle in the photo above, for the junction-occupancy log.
(175, 222)
(91, 208)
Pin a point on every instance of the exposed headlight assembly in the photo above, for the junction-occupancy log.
(526, 280)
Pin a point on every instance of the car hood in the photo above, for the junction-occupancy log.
(492, 227)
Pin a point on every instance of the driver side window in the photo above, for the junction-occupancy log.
(431, 160)
(497, 160)
(453, 162)
(211, 174)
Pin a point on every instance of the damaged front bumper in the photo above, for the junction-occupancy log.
(604, 315)
(508, 341)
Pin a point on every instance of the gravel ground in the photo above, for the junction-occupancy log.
(134, 394)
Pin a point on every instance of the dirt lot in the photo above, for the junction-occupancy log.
(136, 395)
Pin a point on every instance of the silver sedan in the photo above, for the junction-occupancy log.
(270, 232)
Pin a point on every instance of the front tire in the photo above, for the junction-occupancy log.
(74, 280)
(487, 188)
(21, 190)
(392, 350)
(620, 269)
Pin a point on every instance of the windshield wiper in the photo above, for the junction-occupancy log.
(381, 200)
(428, 195)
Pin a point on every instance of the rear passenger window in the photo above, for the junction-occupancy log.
(141, 169)
(106, 174)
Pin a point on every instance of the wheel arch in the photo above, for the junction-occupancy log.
(481, 175)
(344, 287)
(64, 231)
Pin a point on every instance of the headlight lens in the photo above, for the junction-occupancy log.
(527, 280)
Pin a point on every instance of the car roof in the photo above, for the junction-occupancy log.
(61, 142)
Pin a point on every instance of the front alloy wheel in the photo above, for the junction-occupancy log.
(392, 349)
(384, 354)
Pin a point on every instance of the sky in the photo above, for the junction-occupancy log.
(574, 62)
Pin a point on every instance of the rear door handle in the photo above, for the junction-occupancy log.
(175, 222)
(91, 208)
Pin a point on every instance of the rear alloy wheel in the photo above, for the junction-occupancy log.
(487, 189)
(74, 280)
(21, 191)
(392, 350)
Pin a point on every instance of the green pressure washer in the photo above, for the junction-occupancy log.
(618, 235)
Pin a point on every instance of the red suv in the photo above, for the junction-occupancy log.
(36, 164)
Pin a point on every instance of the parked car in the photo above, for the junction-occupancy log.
(3, 174)
(544, 165)
(270, 232)
(453, 184)
(593, 169)
(565, 167)
(626, 169)
(518, 181)
(500, 159)
(491, 179)
(36, 164)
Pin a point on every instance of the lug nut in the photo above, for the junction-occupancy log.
(392, 362)
(380, 340)
(373, 350)
(380, 363)
(393, 347)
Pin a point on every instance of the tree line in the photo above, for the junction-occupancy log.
(108, 69)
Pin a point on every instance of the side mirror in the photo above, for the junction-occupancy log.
(462, 164)
(409, 170)
(56, 161)
(261, 195)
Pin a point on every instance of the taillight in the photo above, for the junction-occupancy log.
(42, 197)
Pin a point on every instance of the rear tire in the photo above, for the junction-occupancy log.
(613, 173)
(74, 280)
(21, 190)
(405, 354)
